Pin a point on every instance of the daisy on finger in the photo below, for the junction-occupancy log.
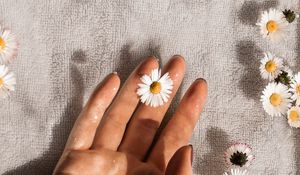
(271, 66)
(8, 46)
(273, 25)
(237, 171)
(7, 81)
(294, 117)
(295, 88)
(154, 89)
(276, 99)
(239, 155)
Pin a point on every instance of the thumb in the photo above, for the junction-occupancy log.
(181, 162)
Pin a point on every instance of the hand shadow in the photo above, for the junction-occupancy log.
(249, 55)
(46, 163)
(213, 162)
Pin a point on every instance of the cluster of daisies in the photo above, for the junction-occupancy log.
(238, 158)
(8, 51)
(281, 97)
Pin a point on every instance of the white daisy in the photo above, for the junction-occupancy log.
(239, 155)
(276, 99)
(271, 66)
(7, 81)
(295, 88)
(293, 116)
(237, 171)
(273, 25)
(155, 90)
(8, 46)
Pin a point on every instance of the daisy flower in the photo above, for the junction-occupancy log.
(237, 171)
(155, 90)
(7, 81)
(276, 99)
(293, 116)
(239, 155)
(295, 88)
(270, 66)
(8, 46)
(273, 25)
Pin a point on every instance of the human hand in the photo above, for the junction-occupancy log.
(120, 143)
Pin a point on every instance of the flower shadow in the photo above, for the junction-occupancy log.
(248, 55)
(213, 162)
(250, 10)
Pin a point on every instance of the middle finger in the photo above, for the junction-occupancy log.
(146, 120)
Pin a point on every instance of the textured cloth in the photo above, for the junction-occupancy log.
(68, 46)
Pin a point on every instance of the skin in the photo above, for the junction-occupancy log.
(114, 131)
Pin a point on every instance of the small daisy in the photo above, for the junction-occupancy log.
(295, 88)
(237, 171)
(239, 155)
(273, 25)
(8, 46)
(7, 81)
(294, 117)
(276, 99)
(271, 66)
(155, 90)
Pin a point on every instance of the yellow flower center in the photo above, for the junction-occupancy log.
(2, 44)
(298, 89)
(275, 99)
(270, 66)
(1, 82)
(272, 26)
(294, 116)
(155, 87)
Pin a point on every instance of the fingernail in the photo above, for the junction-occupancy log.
(152, 56)
(201, 79)
(192, 152)
(116, 73)
(178, 56)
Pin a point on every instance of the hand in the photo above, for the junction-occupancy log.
(120, 144)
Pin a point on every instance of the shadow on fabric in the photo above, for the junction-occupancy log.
(248, 54)
(46, 163)
(250, 11)
(213, 162)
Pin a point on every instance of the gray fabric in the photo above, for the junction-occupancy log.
(68, 46)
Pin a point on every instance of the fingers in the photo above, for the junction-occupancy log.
(181, 162)
(111, 130)
(179, 129)
(84, 129)
(146, 120)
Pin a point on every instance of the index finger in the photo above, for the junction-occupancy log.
(84, 129)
